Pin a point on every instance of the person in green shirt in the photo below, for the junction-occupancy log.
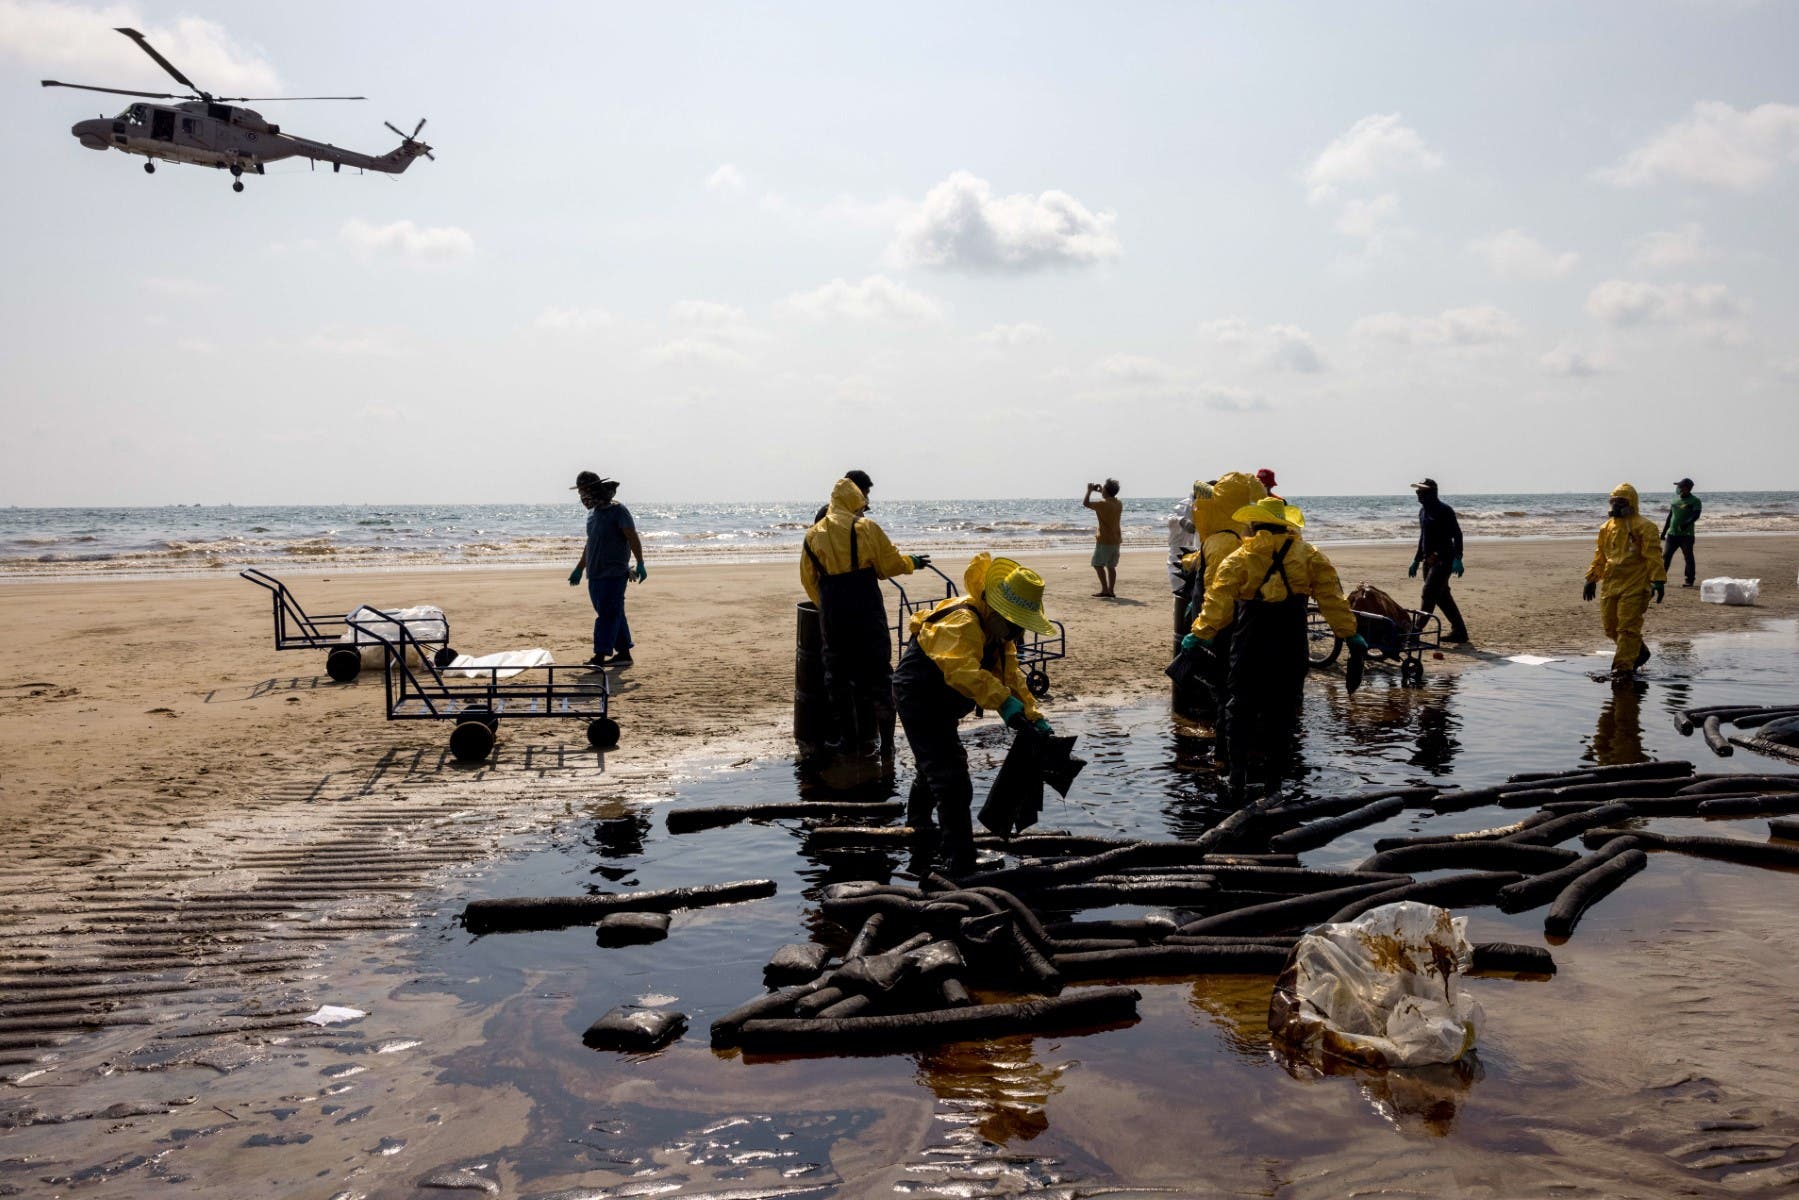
(1677, 530)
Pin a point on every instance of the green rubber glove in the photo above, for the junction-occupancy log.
(1456, 568)
(920, 561)
(1411, 572)
(643, 572)
(1590, 591)
(1193, 642)
(1041, 725)
(574, 576)
(1660, 589)
(1011, 711)
(1356, 641)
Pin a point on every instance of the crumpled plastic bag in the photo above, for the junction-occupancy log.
(425, 622)
(1379, 991)
(510, 662)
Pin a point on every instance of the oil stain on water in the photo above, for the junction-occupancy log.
(1657, 1061)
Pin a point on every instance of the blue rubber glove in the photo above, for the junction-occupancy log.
(1193, 642)
(920, 561)
(1041, 725)
(1011, 711)
(643, 572)
(1660, 589)
(574, 576)
(1356, 641)
(1456, 568)
(1411, 572)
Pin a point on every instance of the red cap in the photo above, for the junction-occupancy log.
(1266, 476)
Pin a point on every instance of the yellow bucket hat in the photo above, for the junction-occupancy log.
(1016, 593)
(1271, 510)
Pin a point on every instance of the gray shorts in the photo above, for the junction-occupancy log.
(1105, 554)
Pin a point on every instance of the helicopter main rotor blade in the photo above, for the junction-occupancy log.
(258, 99)
(88, 87)
(144, 45)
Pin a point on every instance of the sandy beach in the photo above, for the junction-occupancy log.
(163, 700)
(184, 800)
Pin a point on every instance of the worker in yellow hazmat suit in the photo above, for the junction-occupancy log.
(842, 562)
(964, 653)
(1628, 561)
(1260, 594)
(1219, 533)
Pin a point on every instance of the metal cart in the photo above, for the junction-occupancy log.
(296, 629)
(1034, 652)
(1388, 640)
(477, 705)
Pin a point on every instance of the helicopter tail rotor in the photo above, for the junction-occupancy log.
(410, 141)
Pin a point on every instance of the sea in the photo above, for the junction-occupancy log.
(202, 539)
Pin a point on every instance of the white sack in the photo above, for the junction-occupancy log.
(1724, 590)
(514, 662)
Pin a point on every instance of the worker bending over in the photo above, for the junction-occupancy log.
(963, 653)
(1260, 595)
(843, 559)
(1628, 560)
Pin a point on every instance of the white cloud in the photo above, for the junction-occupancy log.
(962, 224)
(1230, 400)
(1369, 218)
(1377, 146)
(81, 39)
(703, 350)
(573, 320)
(1716, 145)
(707, 313)
(194, 345)
(1514, 254)
(1481, 325)
(874, 298)
(1278, 347)
(727, 181)
(407, 240)
(1017, 334)
(1668, 248)
(1570, 360)
(1625, 303)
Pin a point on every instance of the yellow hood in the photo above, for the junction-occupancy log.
(974, 579)
(847, 499)
(1233, 490)
(1629, 494)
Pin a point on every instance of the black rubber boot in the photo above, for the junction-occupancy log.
(1642, 657)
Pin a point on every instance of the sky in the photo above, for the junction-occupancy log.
(726, 252)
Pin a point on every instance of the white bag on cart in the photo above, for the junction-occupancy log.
(510, 662)
(425, 622)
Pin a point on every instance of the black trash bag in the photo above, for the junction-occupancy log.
(1352, 670)
(1193, 669)
(1016, 798)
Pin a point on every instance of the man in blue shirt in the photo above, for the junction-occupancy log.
(611, 544)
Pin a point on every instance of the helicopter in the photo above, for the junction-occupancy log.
(210, 131)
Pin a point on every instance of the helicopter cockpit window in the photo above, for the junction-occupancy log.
(134, 114)
(219, 112)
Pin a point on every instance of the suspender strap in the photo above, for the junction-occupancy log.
(819, 567)
(1277, 567)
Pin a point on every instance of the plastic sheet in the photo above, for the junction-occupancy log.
(511, 662)
(1379, 991)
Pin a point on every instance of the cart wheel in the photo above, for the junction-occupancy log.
(481, 713)
(1037, 681)
(444, 657)
(1411, 673)
(602, 733)
(343, 664)
(471, 741)
(1322, 648)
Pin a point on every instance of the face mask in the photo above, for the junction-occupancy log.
(1620, 508)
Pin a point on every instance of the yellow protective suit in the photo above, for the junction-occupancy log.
(1626, 560)
(830, 540)
(1218, 534)
(1240, 577)
(958, 645)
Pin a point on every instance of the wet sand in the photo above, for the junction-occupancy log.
(320, 841)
